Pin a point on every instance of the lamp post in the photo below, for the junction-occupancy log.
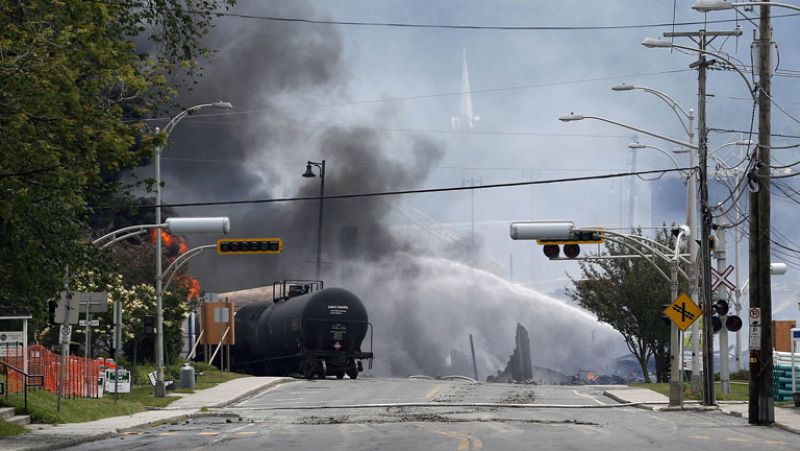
(705, 6)
(578, 117)
(310, 174)
(691, 211)
(675, 388)
(176, 226)
(159, 391)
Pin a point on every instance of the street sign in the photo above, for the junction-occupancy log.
(124, 381)
(755, 328)
(96, 301)
(67, 310)
(683, 312)
(721, 278)
(14, 337)
(66, 331)
(92, 323)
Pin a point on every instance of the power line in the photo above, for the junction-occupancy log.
(413, 191)
(441, 94)
(437, 26)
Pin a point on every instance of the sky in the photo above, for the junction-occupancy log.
(375, 103)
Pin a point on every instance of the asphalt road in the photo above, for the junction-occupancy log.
(395, 414)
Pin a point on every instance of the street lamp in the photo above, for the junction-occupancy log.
(577, 117)
(310, 174)
(175, 226)
(655, 43)
(637, 145)
(691, 206)
(676, 107)
(705, 6)
(159, 391)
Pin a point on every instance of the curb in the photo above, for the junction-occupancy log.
(642, 405)
(61, 441)
(253, 391)
(790, 429)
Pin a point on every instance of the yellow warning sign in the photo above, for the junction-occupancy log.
(683, 312)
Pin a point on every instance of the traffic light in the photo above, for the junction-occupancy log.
(149, 324)
(250, 246)
(571, 245)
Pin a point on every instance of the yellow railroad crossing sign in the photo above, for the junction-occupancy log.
(683, 312)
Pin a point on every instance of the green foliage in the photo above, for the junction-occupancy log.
(72, 88)
(42, 407)
(628, 294)
(7, 429)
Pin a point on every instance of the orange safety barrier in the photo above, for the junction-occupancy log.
(82, 376)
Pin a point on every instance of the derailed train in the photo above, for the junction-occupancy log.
(302, 330)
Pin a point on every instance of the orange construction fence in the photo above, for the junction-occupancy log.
(81, 379)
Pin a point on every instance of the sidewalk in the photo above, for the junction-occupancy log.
(46, 437)
(787, 418)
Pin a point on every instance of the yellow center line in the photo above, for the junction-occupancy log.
(465, 441)
(774, 442)
(736, 439)
(432, 394)
(208, 433)
(168, 433)
(700, 437)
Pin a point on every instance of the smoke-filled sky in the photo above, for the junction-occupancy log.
(375, 103)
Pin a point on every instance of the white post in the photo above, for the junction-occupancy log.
(159, 391)
(25, 346)
(724, 373)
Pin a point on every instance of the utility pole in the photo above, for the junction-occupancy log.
(761, 408)
(472, 182)
(705, 230)
(701, 38)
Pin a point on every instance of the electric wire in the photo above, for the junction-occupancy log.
(431, 95)
(410, 191)
(432, 26)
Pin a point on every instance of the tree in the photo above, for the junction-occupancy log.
(73, 88)
(628, 294)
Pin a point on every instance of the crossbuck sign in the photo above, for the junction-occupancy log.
(721, 278)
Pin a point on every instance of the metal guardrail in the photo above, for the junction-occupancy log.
(26, 378)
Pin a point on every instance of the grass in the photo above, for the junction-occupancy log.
(7, 429)
(42, 404)
(739, 392)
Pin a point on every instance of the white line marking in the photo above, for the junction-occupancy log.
(589, 397)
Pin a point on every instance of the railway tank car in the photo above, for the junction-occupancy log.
(316, 333)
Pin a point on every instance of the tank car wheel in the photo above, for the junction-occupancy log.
(307, 369)
(351, 369)
(322, 369)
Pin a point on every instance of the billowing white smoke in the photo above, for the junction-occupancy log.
(421, 307)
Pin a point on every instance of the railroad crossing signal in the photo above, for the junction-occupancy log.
(683, 312)
(250, 246)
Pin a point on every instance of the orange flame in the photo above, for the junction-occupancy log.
(166, 238)
(175, 244)
(194, 290)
